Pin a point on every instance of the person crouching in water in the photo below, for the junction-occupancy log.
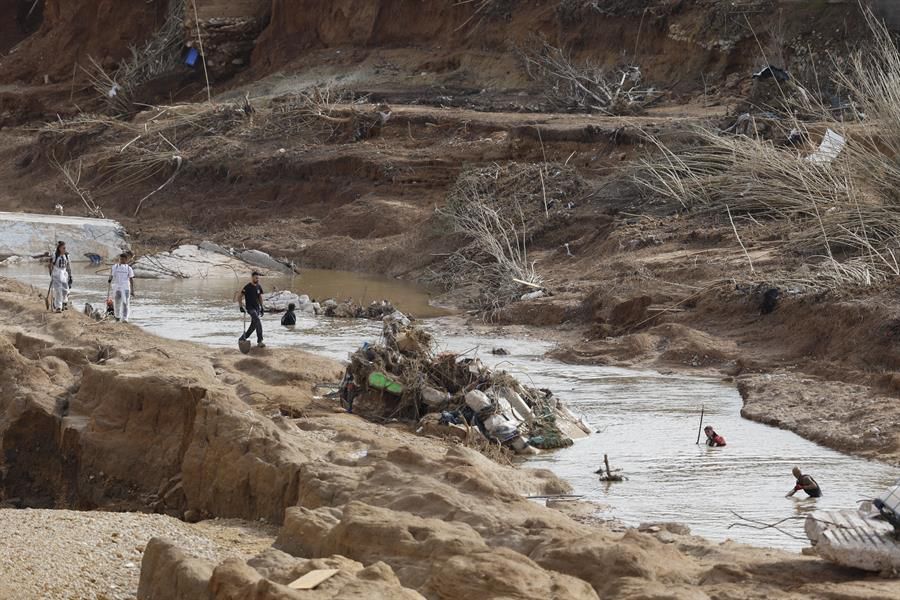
(712, 438)
(805, 483)
(289, 319)
(60, 278)
(121, 283)
(251, 302)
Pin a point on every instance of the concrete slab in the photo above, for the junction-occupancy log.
(854, 539)
(24, 234)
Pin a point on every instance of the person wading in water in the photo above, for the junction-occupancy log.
(805, 483)
(251, 302)
(289, 319)
(712, 438)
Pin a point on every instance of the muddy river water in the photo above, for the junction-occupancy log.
(646, 422)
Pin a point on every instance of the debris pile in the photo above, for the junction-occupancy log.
(349, 309)
(452, 395)
(867, 537)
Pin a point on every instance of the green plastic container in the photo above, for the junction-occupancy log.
(380, 381)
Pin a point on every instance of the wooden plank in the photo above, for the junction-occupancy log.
(312, 579)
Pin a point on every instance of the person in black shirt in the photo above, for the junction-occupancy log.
(805, 483)
(289, 319)
(251, 302)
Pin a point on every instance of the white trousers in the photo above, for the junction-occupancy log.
(59, 293)
(121, 303)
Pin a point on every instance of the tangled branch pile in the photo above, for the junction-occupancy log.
(320, 114)
(840, 202)
(155, 145)
(585, 86)
(498, 208)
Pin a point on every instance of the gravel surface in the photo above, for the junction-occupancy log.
(61, 554)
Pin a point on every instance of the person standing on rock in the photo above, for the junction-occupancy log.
(805, 483)
(121, 286)
(60, 278)
(251, 302)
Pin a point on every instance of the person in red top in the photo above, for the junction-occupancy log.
(713, 438)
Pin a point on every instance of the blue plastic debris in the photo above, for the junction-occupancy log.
(191, 58)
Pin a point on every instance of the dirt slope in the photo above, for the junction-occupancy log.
(412, 512)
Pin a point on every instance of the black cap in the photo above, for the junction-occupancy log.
(255, 274)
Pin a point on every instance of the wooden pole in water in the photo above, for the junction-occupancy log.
(700, 429)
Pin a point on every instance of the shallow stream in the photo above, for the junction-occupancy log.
(647, 422)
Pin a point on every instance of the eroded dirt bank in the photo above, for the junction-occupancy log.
(400, 515)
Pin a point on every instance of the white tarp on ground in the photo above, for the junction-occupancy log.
(24, 234)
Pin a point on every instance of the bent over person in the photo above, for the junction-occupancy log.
(121, 282)
(251, 302)
(805, 483)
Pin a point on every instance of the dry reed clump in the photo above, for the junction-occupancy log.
(583, 86)
(115, 156)
(133, 153)
(842, 205)
(498, 208)
(320, 115)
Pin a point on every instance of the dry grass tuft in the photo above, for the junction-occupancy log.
(160, 55)
(842, 208)
(498, 208)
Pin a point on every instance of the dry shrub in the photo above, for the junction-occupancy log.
(160, 55)
(486, 10)
(498, 208)
(320, 115)
(584, 86)
(844, 207)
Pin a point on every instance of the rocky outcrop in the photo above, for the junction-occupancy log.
(168, 573)
(23, 234)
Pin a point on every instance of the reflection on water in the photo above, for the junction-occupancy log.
(648, 422)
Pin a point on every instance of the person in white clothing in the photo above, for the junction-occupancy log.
(121, 283)
(60, 278)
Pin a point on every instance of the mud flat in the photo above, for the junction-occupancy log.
(400, 516)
